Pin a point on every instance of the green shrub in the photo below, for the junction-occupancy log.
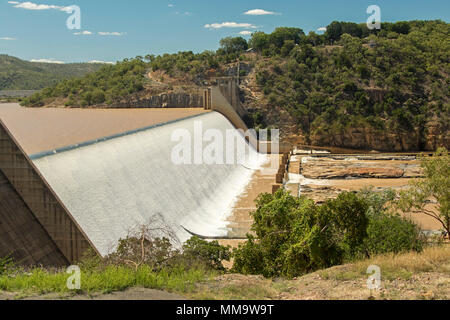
(390, 233)
(210, 254)
(295, 236)
(387, 232)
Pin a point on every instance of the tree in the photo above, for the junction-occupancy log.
(433, 189)
(212, 254)
(98, 96)
(150, 57)
(287, 47)
(295, 236)
(402, 27)
(334, 31)
(259, 41)
(314, 39)
(280, 35)
(233, 44)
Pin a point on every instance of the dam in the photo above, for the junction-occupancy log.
(117, 184)
(75, 179)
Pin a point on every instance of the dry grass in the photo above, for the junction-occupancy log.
(404, 277)
(436, 259)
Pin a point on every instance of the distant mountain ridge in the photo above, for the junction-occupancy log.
(17, 74)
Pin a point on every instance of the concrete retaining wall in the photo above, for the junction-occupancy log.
(167, 100)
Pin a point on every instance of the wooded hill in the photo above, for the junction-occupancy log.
(17, 74)
(351, 87)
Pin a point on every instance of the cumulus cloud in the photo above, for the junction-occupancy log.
(8, 39)
(171, 5)
(51, 60)
(230, 25)
(39, 7)
(116, 34)
(245, 33)
(322, 29)
(260, 12)
(83, 33)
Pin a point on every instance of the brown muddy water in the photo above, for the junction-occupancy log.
(43, 129)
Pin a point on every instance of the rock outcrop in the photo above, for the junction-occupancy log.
(328, 168)
(367, 138)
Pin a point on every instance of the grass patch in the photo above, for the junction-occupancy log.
(112, 278)
(403, 266)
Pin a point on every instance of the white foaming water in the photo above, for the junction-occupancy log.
(300, 179)
(112, 186)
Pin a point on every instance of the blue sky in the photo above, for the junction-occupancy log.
(36, 29)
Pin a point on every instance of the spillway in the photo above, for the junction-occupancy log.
(113, 185)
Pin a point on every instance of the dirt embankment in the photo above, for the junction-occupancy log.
(410, 276)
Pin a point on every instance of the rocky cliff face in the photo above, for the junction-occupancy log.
(370, 139)
(437, 135)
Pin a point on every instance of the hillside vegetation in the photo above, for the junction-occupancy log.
(17, 74)
(350, 87)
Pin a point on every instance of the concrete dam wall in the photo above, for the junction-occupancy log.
(166, 100)
(114, 185)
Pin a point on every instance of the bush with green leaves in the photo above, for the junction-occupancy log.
(391, 233)
(209, 253)
(294, 236)
(387, 231)
(154, 245)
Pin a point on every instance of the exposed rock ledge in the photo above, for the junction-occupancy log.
(328, 168)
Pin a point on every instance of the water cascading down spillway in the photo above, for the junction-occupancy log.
(111, 186)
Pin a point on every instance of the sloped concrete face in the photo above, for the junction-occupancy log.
(112, 186)
(22, 237)
(24, 181)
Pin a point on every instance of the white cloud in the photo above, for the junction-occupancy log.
(34, 6)
(171, 5)
(83, 33)
(51, 60)
(322, 29)
(100, 61)
(187, 13)
(259, 12)
(245, 33)
(116, 34)
(8, 39)
(230, 25)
